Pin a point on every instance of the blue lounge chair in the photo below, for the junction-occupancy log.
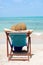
(17, 42)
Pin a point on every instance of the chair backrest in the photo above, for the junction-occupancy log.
(18, 39)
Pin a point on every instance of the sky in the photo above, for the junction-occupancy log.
(17, 8)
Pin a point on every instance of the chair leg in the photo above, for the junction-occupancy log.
(10, 56)
(30, 46)
(7, 45)
(28, 57)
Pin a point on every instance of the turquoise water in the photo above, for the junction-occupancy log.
(35, 23)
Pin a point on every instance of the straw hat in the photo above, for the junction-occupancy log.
(19, 26)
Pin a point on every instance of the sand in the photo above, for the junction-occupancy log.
(37, 51)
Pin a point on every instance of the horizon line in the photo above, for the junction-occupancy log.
(21, 16)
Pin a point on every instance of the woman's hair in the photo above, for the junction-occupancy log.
(19, 26)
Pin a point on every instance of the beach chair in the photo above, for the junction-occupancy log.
(18, 39)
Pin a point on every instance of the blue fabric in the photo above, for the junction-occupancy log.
(18, 40)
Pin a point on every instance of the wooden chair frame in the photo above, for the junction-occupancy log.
(9, 55)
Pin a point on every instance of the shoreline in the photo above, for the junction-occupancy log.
(33, 33)
(36, 38)
(30, 29)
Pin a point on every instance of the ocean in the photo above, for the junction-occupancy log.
(33, 22)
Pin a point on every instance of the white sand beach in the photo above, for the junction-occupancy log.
(37, 51)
